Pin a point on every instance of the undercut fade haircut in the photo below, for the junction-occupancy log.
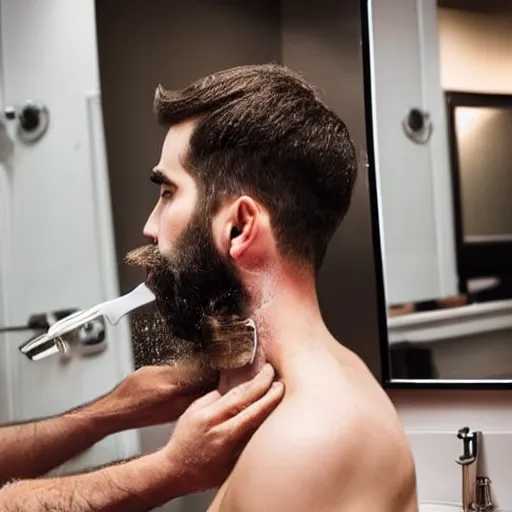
(262, 130)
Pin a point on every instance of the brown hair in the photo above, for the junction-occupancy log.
(263, 130)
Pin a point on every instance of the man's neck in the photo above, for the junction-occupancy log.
(289, 322)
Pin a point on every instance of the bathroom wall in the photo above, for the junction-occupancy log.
(475, 51)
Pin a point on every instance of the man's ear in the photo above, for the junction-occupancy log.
(245, 225)
(240, 226)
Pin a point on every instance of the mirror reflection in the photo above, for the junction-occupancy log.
(442, 128)
(482, 135)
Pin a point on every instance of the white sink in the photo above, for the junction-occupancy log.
(440, 507)
(444, 507)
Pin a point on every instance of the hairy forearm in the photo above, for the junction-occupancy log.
(32, 449)
(135, 486)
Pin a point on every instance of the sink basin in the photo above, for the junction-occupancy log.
(444, 507)
(440, 507)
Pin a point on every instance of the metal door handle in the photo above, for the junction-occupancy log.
(33, 120)
(417, 125)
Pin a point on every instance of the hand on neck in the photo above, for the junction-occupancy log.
(288, 319)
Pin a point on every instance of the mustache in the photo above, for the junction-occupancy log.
(147, 257)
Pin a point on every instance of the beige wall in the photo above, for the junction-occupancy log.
(476, 51)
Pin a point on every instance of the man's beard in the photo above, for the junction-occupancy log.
(192, 287)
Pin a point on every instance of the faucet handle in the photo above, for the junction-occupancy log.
(484, 494)
(469, 463)
(470, 446)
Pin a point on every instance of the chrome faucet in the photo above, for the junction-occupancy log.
(483, 495)
(476, 493)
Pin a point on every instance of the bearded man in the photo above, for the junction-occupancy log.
(256, 174)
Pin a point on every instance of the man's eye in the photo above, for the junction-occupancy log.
(167, 194)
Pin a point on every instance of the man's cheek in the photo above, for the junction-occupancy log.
(172, 224)
(167, 249)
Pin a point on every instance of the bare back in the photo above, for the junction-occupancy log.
(334, 444)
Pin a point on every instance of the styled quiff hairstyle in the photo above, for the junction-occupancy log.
(263, 131)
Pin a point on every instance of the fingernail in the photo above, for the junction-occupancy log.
(277, 386)
(268, 368)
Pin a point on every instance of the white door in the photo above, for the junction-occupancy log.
(414, 185)
(56, 237)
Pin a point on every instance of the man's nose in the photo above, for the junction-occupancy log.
(151, 228)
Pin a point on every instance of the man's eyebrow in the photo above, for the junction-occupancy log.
(160, 178)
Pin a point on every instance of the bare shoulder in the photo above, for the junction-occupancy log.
(327, 447)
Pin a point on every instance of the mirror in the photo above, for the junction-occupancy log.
(439, 115)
